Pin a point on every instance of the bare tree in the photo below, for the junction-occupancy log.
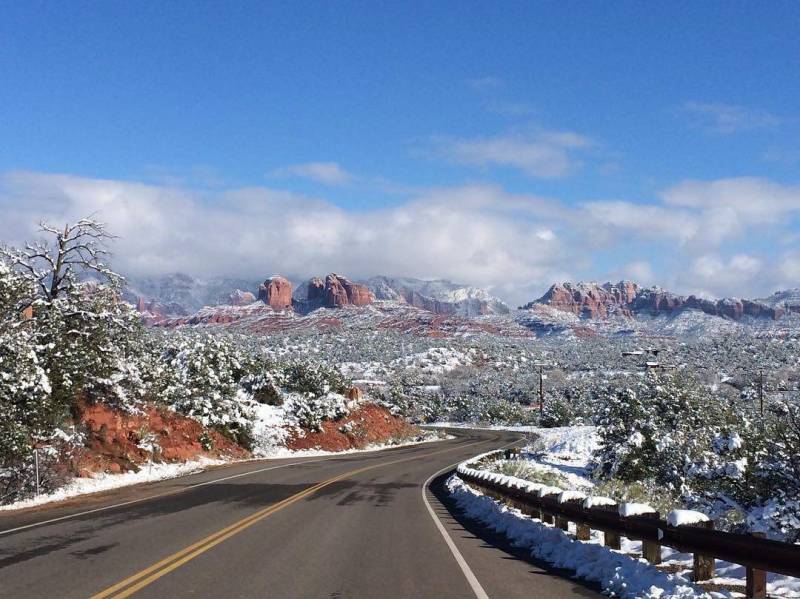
(54, 264)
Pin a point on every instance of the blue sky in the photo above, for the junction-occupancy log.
(656, 141)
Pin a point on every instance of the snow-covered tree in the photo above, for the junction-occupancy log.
(56, 262)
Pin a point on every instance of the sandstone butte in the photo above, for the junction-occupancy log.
(276, 292)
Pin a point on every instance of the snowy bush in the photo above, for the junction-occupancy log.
(671, 437)
(315, 379)
(199, 379)
(654, 431)
(311, 411)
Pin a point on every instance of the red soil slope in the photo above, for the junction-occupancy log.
(367, 425)
(113, 438)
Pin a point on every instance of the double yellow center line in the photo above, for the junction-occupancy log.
(138, 581)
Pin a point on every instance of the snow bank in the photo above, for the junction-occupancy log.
(106, 482)
(575, 443)
(156, 472)
(617, 574)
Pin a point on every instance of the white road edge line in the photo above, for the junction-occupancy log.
(480, 593)
(194, 486)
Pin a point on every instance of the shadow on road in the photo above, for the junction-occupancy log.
(447, 510)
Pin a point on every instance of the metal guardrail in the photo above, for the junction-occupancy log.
(759, 555)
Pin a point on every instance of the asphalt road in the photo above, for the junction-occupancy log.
(352, 526)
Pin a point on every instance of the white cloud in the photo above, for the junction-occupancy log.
(712, 275)
(717, 117)
(476, 234)
(640, 271)
(328, 173)
(701, 214)
(544, 154)
(609, 219)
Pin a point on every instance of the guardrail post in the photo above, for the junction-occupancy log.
(651, 551)
(562, 523)
(583, 532)
(612, 539)
(547, 516)
(531, 510)
(756, 579)
(703, 564)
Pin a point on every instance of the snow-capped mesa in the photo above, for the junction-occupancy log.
(788, 299)
(438, 296)
(593, 301)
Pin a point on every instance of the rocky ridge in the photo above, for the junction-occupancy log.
(594, 301)
(437, 296)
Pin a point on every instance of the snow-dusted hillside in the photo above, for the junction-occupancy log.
(180, 294)
(437, 295)
(789, 298)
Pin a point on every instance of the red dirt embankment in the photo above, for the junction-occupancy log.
(116, 441)
(364, 426)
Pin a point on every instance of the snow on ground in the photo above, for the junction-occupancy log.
(105, 482)
(567, 450)
(282, 452)
(436, 360)
(617, 574)
(573, 444)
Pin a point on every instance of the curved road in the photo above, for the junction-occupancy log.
(351, 526)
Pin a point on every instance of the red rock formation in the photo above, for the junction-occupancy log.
(335, 292)
(340, 291)
(151, 312)
(276, 292)
(590, 300)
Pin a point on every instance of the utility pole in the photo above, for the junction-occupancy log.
(36, 463)
(541, 366)
(541, 391)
